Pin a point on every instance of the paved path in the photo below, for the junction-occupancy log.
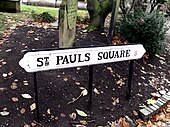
(51, 3)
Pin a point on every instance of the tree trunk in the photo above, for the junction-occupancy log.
(98, 11)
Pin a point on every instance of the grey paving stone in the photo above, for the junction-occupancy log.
(168, 93)
(158, 103)
(166, 96)
(161, 100)
(150, 110)
(144, 113)
(153, 108)
(156, 106)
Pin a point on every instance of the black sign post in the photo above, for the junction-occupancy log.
(90, 89)
(36, 96)
(130, 78)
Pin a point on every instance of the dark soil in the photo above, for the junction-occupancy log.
(58, 87)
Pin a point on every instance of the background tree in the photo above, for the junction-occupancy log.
(98, 11)
(147, 5)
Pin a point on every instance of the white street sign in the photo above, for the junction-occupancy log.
(65, 58)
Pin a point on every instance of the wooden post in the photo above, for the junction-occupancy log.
(67, 23)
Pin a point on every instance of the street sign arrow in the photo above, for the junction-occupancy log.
(35, 61)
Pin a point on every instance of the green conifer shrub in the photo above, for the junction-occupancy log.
(145, 28)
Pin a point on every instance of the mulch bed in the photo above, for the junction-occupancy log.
(58, 87)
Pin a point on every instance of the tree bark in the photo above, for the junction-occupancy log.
(98, 11)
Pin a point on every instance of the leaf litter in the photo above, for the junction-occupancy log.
(27, 96)
(14, 99)
(84, 92)
(81, 113)
(2, 89)
(4, 113)
(32, 106)
(148, 122)
(14, 85)
(96, 91)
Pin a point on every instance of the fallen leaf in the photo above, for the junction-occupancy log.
(73, 116)
(14, 86)
(143, 77)
(5, 108)
(150, 101)
(77, 83)
(96, 91)
(16, 80)
(58, 76)
(160, 57)
(62, 115)
(144, 72)
(81, 113)
(84, 122)
(82, 88)
(52, 117)
(162, 92)
(157, 95)
(115, 101)
(168, 71)
(56, 118)
(65, 79)
(110, 69)
(14, 99)
(49, 111)
(36, 39)
(33, 107)
(135, 113)
(124, 123)
(168, 110)
(4, 113)
(25, 83)
(3, 63)
(30, 32)
(80, 126)
(162, 62)
(4, 75)
(22, 111)
(84, 92)
(10, 73)
(27, 96)
(33, 124)
(78, 68)
(160, 117)
(26, 125)
(2, 89)
(120, 82)
(9, 50)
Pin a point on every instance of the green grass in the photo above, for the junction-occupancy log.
(38, 10)
(52, 11)
(7, 19)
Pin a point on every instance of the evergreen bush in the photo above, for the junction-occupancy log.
(43, 17)
(145, 28)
